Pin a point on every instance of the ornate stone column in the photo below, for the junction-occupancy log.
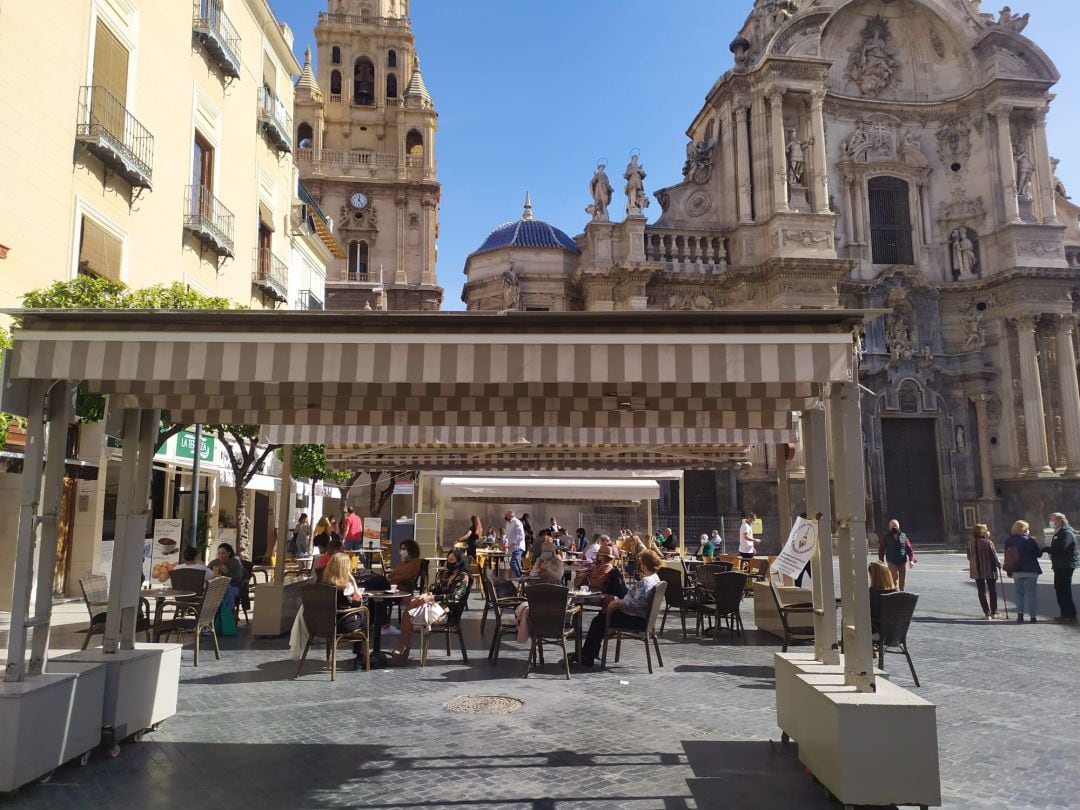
(924, 203)
(1034, 409)
(779, 150)
(427, 273)
(759, 169)
(746, 210)
(982, 424)
(1043, 173)
(1007, 163)
(819, 188)
(727, 167)
(849, 211)
(1070, 390)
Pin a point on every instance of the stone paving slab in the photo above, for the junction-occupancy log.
(694, 735)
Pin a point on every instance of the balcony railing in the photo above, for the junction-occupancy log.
(275, 120)
(686, 251)
(107, 129)
(358, 275)
(343, 161)
(308, 300)
(271, 275)
(215, 31)
(208, 220)
(358, 19)
(335, 98)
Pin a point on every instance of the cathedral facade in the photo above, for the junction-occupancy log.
(365, 130)
(878, 154)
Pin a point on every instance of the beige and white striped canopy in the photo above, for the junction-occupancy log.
(435, 386)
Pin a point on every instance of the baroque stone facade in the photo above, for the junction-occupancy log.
(365, 129)
(873, 154)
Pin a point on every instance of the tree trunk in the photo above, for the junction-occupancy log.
(243, 525)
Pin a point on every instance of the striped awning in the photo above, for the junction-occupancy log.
(430, 387)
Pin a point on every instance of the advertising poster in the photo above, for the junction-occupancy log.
(372, 532)
(798, 549)
(167, 542)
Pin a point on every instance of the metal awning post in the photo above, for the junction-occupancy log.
(283, 514)
(816, 451)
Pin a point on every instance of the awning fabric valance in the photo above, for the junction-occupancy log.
(583, 490)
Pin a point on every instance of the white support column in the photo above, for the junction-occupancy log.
(779, 150)
(682, 513)
(746, 209)
(442, 527)
(26, 540)
(419, 502)
(851, 535)
(60, 409)
(1007, 163)
(1034, 408)
(284, 511)
(648, 517)
(819, 189)
(1070, 392)
(815, 440)
(783, 494)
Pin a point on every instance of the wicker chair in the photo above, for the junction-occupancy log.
(451, 625)
(897, 608)
(321, 617)
(649, 633)
(723, 602)
(683, 599)
(785, 610)
(550, 623)
(492, 600)
(95, 590)
(201, 616)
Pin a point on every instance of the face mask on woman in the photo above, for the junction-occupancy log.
(451, 565)
(547, 555)
(404, 554)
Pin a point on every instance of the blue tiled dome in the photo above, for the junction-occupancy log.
(527, 233)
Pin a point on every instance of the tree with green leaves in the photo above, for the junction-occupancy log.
(246, 455)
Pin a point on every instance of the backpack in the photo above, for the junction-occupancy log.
(1011, 563)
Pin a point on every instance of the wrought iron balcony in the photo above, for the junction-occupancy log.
(271, 275)
(308, 300)
(275, 120)
(108, 130)
(208, 220)
(216, 33)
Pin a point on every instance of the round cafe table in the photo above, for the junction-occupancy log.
(376, 630)
(165, 596)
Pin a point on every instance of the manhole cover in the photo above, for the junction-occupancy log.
(484, 704)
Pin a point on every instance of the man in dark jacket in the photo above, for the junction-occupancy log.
(1064, 558)
(895, 549)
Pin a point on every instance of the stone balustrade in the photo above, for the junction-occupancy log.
(686, 251)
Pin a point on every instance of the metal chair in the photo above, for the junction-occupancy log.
(425, 566)
(682, 598)
(897, 608)
(243, 601)
(550, 622)
(785, 610)
(95, 591)
(202, 616)
(723, 603)
(321, 618)
(451, 625)
(647, 634)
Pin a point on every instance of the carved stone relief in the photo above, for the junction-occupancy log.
(698, 203)
(820, 240)
(961, 208)
(954, 142)
(1040, 249)
(974, 334)
(874, 64)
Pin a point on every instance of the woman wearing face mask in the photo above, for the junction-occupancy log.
(405, 573)
(548, 567)
(451, 587)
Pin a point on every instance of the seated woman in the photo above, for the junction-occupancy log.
(451, 586)
(332, 548)
(548, 567)
(603, 577)
(339, 574)
(228, 565)
(629, 613)
(881, 581)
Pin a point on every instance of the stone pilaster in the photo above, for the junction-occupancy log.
(982, 425)
(1034, 409)
(1043, 173)
(746, 209)
(1007, 163)
(779, 150)
(819, 188)
(1070, 390)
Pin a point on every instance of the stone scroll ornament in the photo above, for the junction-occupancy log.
(873, 64)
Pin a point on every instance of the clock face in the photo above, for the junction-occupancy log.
(358, 199)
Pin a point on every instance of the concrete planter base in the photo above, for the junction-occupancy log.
(276, 607)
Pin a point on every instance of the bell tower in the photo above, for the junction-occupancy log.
(366, 132)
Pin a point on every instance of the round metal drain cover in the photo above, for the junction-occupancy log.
(484, 704)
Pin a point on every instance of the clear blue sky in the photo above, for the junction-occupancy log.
(530, 94)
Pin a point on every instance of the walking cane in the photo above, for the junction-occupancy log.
(1001, 582)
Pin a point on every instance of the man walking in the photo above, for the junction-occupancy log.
(354, 529)
(747, 543)
(1064, 559)
(895, 549)
(514, 541)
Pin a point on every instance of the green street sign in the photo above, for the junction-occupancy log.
(185, 446)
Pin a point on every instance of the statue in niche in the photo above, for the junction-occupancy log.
(873, 64)
(857, 144)
(926, 358)
(1014, 22)
(796, 158)
(961, 439)
(974, 334)
(910, 151)
(1059, 187)
(636, 201)
(898, 339)
(600, 190)
(511, 288)
(1025, 170)
(965, 259)
(698, 166)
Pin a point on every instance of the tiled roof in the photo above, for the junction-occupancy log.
(531, 233)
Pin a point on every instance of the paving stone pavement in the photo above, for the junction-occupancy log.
(697, 734)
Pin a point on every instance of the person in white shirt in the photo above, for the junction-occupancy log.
(191, 556)
(592, 548)
(514, 541)
(747, 543)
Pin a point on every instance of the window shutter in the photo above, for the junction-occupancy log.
(110, 63)
(99, 251)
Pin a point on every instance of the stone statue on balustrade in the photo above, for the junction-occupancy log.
(600, 189)
(636, 201)
(698, 166)
(511, 288)
(1013, 22)
(1025, 171)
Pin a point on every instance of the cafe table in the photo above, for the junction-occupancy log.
(165, 596)
(376, 628)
